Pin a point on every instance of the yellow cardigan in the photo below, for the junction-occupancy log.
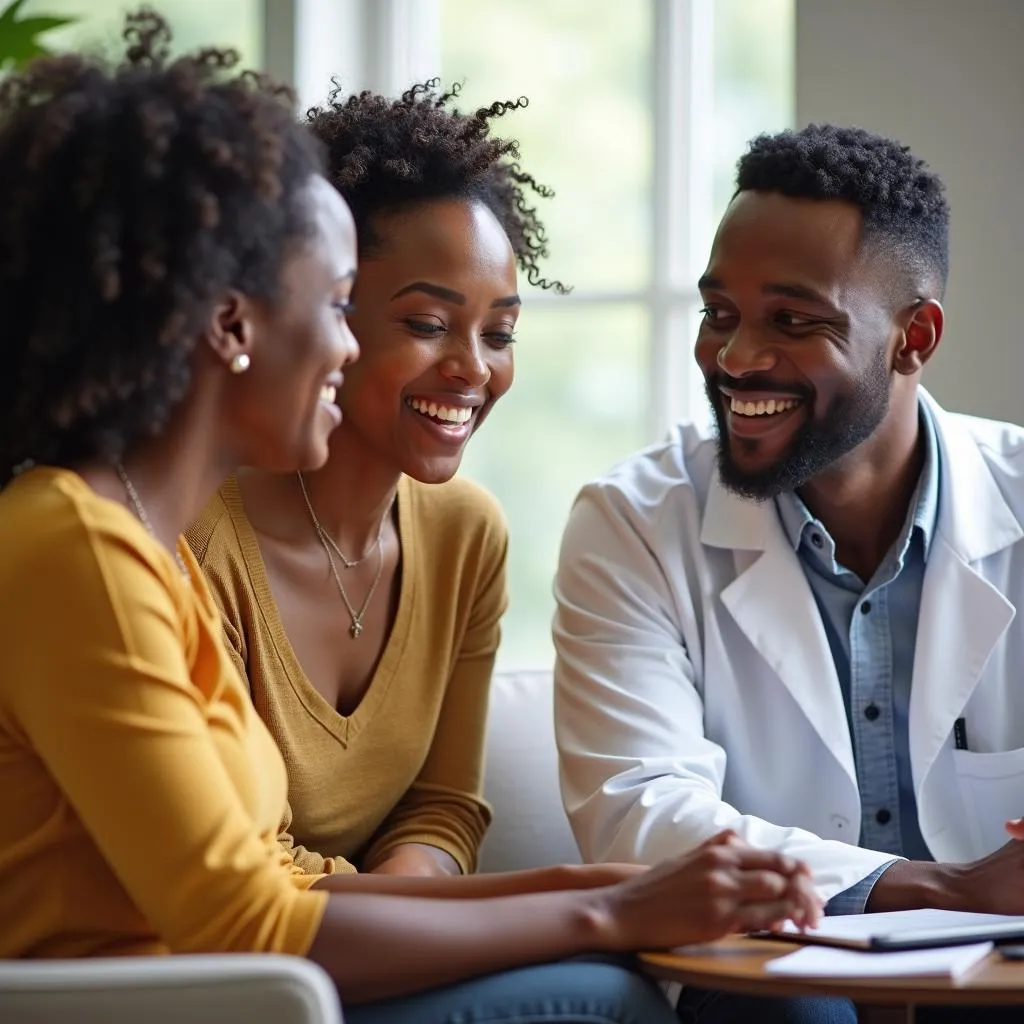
(406, 765)
(139, 792)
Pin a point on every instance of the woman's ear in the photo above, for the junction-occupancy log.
(230, 332)
(920, 337)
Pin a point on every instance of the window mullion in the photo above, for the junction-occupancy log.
(682, 197)
(381, 45)
(404, 37)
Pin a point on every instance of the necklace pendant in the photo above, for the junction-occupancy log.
(355, 629)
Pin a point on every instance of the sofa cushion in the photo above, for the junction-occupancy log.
(521, 783)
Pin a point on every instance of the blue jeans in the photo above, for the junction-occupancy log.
(569, 992)
(700, 1006)
(703, 1006)
(968, 1015)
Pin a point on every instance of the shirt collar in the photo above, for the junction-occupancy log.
(926, 509)
(797, 519)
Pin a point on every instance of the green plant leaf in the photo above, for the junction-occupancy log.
(19, 37)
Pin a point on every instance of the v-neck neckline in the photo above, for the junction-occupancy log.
(345, 728)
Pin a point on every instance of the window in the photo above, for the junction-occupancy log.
(638, 112)
(582, 361)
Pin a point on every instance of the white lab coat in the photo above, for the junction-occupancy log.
(695, 688)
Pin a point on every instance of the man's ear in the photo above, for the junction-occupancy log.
(229, 331)
(920, 336)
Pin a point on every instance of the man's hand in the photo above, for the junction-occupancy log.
(991, 885)
(995, 884)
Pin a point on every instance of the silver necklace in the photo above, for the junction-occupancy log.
(328, 542)
(140, 511)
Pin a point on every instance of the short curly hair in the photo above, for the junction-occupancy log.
(383, 155)
(902, 201)
(135, 195)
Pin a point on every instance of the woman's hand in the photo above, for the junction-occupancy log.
(722, 886)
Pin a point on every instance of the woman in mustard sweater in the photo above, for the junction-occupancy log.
(362, 602)
(174, 280)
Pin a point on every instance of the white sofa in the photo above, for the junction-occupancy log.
(168, 990)
(529, 830)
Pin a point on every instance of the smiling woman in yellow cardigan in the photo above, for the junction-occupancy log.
(189, 320)
(363, 601)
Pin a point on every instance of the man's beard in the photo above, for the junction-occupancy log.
(850, 420)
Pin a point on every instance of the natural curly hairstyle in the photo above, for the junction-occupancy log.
(135, 195)
(383, 155)
(902, 202)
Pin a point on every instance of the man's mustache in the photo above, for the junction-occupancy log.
(764, 384)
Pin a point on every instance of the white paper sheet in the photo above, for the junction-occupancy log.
(828, 962)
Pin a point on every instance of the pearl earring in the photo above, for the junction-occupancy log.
(240, 363)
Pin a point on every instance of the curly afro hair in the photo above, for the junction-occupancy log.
(385, 154)
(902, 202)
(135, 196)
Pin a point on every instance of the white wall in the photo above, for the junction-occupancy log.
(947, 78)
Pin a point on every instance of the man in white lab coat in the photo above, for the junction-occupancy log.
(802, 625)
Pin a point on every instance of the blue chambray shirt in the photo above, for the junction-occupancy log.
(871, 631)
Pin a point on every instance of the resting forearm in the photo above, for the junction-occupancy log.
(509, 883)
(380, 947)
(417, 860)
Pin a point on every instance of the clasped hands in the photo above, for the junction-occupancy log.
(721, 887)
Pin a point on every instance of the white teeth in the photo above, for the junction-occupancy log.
(762, 408)
(328, 393)
(446, 413)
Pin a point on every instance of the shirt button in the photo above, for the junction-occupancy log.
(883, 817)
(865, 608)
(816, 540)
(871, 712)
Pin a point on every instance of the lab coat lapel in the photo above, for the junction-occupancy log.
(962, 614)
(772, 603)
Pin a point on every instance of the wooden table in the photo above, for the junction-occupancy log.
(737, 965)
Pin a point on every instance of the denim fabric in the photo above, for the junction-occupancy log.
(701, 1006)
(968, 1015)
(855, 899)
(577, 991)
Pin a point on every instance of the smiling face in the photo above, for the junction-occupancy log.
(435, 308)
(282, 410)
(797, 340)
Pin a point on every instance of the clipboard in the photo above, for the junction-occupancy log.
(905, 929)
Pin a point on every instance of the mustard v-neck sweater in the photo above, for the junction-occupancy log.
(406, 765)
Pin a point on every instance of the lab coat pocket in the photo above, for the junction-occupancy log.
(992, 786)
